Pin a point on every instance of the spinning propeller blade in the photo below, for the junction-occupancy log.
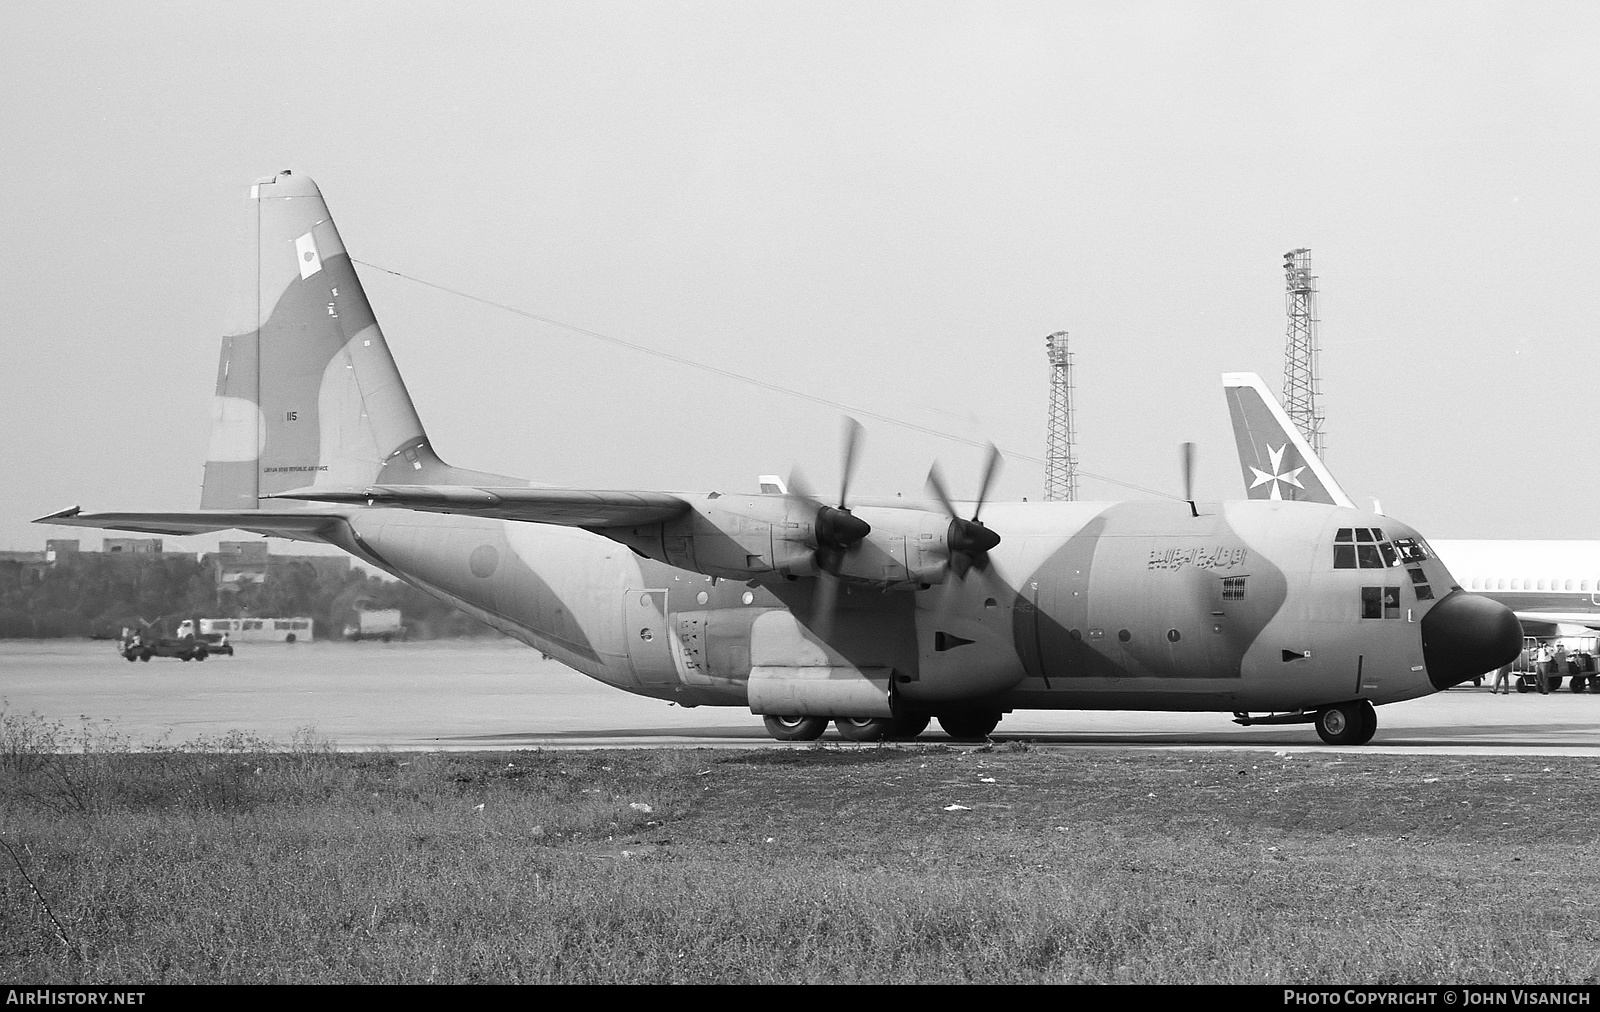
(970, 541)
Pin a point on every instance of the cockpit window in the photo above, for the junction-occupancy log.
(1412, 549)
(1365, 548)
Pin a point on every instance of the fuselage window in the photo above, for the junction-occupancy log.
(1371, 602)
(1233, 588)
(1380, 602)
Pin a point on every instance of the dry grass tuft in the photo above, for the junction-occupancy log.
(239, 860)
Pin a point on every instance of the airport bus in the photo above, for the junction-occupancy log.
(251, 630)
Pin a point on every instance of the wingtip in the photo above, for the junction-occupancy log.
(66, 514)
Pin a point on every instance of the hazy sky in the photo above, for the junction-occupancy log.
(887, 205)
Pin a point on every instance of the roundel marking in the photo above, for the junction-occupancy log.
(485, 559)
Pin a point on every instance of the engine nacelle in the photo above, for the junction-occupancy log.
(744, 537)
(907, 548)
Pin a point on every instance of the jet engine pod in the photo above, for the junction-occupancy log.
(1464, 636)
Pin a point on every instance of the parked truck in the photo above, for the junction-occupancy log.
(376, 624)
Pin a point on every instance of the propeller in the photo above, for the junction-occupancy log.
(970, 541)
(837, 530)
(1186, 455)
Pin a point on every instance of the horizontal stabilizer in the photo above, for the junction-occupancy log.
(567, 507)
(307, 526)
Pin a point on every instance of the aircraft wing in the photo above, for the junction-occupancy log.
(567, 507)
(1549, 623)
(307, 526)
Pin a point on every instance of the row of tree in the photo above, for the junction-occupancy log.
(97, 594)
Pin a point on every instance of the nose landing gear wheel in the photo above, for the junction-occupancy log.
(795, 728)
(1347, 723)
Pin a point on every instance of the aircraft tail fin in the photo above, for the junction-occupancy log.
(1274, 457)
(308, 393)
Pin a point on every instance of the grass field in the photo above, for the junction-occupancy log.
(236, 860)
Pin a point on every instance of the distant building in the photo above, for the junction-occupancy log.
(55, 548)
(133, 546)
(239, 562)
(244, 562)
(21, 568)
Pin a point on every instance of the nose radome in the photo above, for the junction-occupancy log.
(1465, 635)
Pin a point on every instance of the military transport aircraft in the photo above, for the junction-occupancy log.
(877, 615)
(1548, 584)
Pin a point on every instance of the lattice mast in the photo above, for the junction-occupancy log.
(1060, 454)
(1302, 367)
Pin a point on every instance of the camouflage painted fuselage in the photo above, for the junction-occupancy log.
(1134, 605)
(706, 599)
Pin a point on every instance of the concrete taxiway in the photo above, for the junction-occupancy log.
(496, 694)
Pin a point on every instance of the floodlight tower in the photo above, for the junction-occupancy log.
(1060, 460)
(1302, 365)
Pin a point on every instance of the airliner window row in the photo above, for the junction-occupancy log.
(1529, 583)
(1365, 548)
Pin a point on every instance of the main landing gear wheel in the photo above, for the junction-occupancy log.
(880, 728)
(907, 728)
(969, 726)
(795, 728)
(1347, 723)
(1369, 722)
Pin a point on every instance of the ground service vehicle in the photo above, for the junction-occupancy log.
(141, 648)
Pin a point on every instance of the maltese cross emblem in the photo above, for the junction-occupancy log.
(1278, 477)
